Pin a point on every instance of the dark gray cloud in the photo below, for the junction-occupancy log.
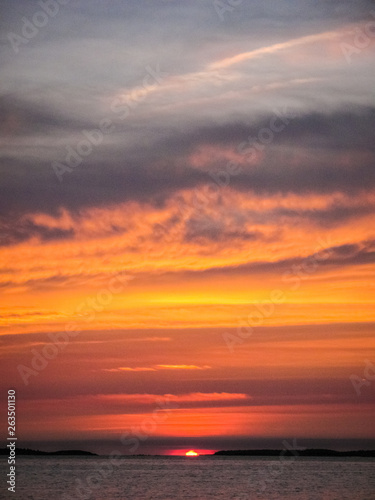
(351, 128)
(13, 232)
(153, 174)
(331, 216)
(355, 254)
(35, 188)
(203, 229)
(25, 118)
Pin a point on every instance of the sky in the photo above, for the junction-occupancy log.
(187, 248)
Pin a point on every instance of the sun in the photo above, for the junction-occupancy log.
(192, 453)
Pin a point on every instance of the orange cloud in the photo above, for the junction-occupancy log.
(128, 369)
(214, 396)
(183, 367)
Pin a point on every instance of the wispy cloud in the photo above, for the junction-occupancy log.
(277, 47)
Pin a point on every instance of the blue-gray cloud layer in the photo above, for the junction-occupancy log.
(91, 60)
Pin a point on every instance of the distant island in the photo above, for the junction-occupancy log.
(300, 453)
(27, 451)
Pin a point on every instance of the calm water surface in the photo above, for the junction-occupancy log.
(200, 478)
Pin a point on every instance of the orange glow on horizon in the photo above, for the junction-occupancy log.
(185, 452)
(192, 453)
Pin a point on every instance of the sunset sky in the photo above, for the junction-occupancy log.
(187, 242)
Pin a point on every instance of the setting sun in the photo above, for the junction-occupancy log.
(192, 453)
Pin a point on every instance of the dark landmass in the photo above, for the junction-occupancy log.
(249, 453)
(300, 453)
(27, 451)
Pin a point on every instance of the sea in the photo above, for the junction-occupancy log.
(193, 478)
